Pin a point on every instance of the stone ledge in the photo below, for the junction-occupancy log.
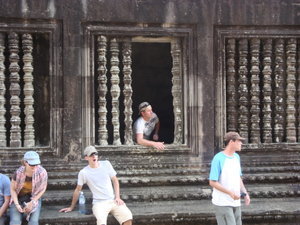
(193, 212)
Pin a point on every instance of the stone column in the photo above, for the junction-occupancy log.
(14, 90)
(29, 140)
(115, 89)
(102, 90)
(127, 91)
(3, 139)
(176, 90)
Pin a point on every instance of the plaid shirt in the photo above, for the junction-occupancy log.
(39, 183)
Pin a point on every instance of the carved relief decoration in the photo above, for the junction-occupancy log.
(2, 93)
(102, 89)
(243, 89)
(291, 90)
(28, 91)
(115, 89)
(176, 90)
(255, 91)
(127, 91)
(14, 90)
(267, 89)
(279, 89)
(231, 94)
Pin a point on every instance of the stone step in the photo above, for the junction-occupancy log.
(169, 180)
(183, 192)
(192, 212)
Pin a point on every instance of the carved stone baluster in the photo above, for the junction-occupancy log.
(14, 90)
(115, 89)
(267, 91)
(2, 93)
(231, 92)
(298, 91)
(176, 90)
(28, 91)
(279, 118)
(291, 90)
(102, 89)
(255, 92)
(243, 90)
(127, 91)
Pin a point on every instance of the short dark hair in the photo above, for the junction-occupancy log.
(232, 136)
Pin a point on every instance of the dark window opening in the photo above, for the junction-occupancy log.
(152, 82)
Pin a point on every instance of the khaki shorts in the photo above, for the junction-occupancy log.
(102, 209)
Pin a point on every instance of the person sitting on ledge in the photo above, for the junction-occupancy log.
(145, 125)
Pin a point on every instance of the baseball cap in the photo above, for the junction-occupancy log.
(143, 105)
(32, 158)
(233, 136)
(89, 150)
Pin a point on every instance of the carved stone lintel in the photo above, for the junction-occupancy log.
(176, 91)
(127, 91)
(29, 140)
(14, 90)
(3, 139)
(115, 90)
(102, 89)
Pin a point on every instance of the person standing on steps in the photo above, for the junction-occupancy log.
(225, 178)
(101, 179)
(146, 125)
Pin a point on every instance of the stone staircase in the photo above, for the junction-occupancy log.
(171, 187)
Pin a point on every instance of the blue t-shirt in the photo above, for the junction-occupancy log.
(227, 171)
(4, 187)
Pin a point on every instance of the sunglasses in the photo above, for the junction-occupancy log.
(32, 165)
(94, 153)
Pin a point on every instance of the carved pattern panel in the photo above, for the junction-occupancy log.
(17, 102)
(262, 83)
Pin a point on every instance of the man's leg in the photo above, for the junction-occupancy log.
(122, 214)
(101, 210)
(128, 222)
(238, 215)
(224, 215)
(2, 220)
(15, 215)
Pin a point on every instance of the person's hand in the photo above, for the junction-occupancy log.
(247, 199)
(234, 196)
(68, 209)
(159, 145)
(155, 137)
(119, 201)
(19, 208)
(28, 207)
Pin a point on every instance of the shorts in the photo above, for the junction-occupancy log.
(102, 209)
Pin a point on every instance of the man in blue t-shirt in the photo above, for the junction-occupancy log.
(4, 197)
(225, 178)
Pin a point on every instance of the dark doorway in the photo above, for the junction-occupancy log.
(152, 82)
